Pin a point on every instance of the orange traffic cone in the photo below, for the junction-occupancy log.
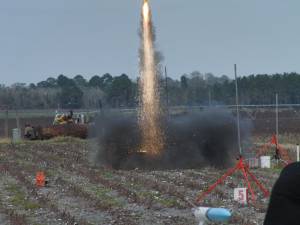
(40, 179)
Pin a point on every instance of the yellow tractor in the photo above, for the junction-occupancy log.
(63, 125)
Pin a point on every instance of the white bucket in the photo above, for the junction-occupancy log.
(265, 161)
(82, 119)
(16, 135)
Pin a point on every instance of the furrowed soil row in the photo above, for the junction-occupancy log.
(183, 198)
(143, 198)
(120, 216)
(180, 200)
(94, 177)
(154, 183)
(67, 166)
(189, 175)
(150, 183)
(14, 170)
(12, 217)
(134, 192)
(150, 198)
(179, 180)
(201, 183)
(18, 198)
(165, 188)
(114, 180)
(190, 179)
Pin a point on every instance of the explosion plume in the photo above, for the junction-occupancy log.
(150, 110)
(149, 140)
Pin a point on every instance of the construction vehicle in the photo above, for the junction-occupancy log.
(63, 125)
(69, 118)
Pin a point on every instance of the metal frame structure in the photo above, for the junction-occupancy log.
(241, 164)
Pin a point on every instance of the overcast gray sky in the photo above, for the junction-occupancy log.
(41, 38)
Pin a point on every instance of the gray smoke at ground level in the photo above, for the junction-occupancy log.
(193, 140)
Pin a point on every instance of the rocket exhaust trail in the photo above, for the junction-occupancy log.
(150, 110)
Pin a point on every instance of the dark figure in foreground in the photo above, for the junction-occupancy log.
(284, 207)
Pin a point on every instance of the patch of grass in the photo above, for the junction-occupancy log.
(275, 169)
(134, 186)
(50, 173)
(62, 139)
(12, 188)
(28, 205)
(19, 199)
(24, 163)
(28, 114)
(107, 174)
(154, 196)
(147, 196)
(104, 195)
(168, 202)
(5, 140)
(54, 158)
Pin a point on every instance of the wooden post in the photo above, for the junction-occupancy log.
(209, 97)
(17, 119)
(277, 121)
(298, 153)
(166, 87)
(6, 124)
(166, 91)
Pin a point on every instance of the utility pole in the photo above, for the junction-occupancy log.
(166, 87)
(209, 97)
(298, 153)
(17, 119)
(237, 110)
(277, 126)
(6, 124)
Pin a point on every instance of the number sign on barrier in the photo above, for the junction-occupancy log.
(241, 195)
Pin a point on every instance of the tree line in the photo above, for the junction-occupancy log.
(121, 91)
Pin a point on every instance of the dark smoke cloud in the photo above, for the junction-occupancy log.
(193, 140)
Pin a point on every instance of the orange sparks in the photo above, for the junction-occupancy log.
(150, 111)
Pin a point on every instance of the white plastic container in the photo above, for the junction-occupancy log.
(82, 119)
(16, 135)
(204, 214)
(265, 161)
